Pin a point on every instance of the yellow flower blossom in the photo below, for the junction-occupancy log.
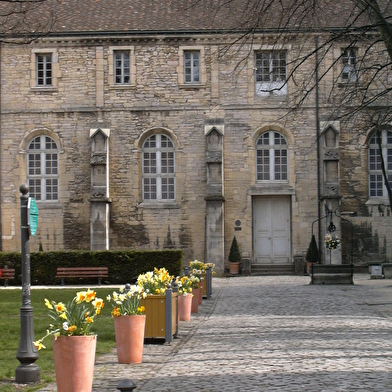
(63, 316)
(48, 304)
(90, 295)
(80, 297)
(60, 308)
(98, 303)
(38, 345)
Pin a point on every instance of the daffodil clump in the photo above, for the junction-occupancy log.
(74, 318)
(127, 301)
(200, 266)
(184, 285)
(194, 280)
(154, 282)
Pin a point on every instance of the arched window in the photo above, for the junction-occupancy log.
(42, 169)
(376, 180)
(271, 157)
(158, 168)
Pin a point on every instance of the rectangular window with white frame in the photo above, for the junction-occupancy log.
(349, 65)
(44, 70)
(121, 67)
(271, 72)
(191, 66)
(122, 64)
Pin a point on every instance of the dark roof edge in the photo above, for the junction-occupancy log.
(175, 33)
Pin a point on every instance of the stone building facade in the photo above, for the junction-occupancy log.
(152, 139)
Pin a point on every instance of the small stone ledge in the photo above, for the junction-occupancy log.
(332, 274)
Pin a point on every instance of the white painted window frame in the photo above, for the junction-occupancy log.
(374, 168)
(112, 69)
(43, 176)
(271, 148)
(34, 69)
(270, 87)
(158, 175)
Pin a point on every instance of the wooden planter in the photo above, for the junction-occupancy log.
(161, 316)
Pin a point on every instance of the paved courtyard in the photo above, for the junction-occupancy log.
(274, 333)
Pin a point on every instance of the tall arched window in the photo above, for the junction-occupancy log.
(376, 180)
(158, 168)
(42, 169)
(271, 157)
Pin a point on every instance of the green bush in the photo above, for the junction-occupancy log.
(312, 253)
(234, 254)
(124, 266)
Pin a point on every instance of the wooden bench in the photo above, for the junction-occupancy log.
(82, 272)
(6, 274)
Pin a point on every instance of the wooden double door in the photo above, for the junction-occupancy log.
(271, 229)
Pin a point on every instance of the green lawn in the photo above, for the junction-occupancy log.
(10, 303)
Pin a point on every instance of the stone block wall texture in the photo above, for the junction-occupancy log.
(157, 102)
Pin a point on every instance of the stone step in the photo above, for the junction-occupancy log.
(272, 269)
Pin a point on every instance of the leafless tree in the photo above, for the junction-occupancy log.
(321, 26)
(22, 21)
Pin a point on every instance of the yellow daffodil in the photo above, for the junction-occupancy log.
(60, 307)
(48, 304)
(98, 303)
(115, 312)
(90, 295)
(80, 297)
(38, 345)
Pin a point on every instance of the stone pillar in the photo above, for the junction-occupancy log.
(214, 131)
(330, 190)
(99, 199)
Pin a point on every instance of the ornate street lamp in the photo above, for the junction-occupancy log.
(27, 371)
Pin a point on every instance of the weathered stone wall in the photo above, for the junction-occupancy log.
(157, 102)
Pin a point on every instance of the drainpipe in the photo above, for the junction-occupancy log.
(318, 151)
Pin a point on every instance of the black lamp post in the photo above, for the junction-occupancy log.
(27, 371)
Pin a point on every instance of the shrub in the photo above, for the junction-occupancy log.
(312, 253)
(234, 254)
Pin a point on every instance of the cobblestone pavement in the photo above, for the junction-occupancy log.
(271, 333)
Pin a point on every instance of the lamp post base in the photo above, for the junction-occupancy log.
(27, 373)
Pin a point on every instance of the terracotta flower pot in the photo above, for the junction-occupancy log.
(129, 331)
(234, 267)
(74, 362)
(185, 307)
(195, 300)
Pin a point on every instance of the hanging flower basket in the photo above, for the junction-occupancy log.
(332, 242)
